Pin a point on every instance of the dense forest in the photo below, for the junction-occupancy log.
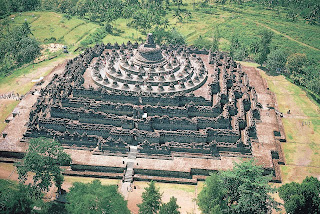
(108, 10)
(152, 16)
(18, 48)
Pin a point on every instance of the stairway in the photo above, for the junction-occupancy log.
(128, 175)
(133, 153)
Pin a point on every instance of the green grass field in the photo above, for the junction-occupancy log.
(79, 33)
(243, 20)
(6, 107)
(52, 24)
(247, 22)
(104, 181)
(45, 25)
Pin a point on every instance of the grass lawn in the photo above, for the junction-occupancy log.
(45, 25)
(104, 181)
(20, 79)
(7, 166)
(79, 33)
(247, 22)
(6, 107)
(52, 24)
(182, 187)
(168, 186)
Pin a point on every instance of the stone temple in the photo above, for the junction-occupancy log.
(148, 112)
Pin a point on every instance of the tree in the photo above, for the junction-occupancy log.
(159, 35)
(16, 198)
(177, 14)
(141, 19)
(244, 189)
(175, 37)
(28, 51)
(248, 189)
(292, 14)
(17, 46)
(237, 50)
(54, 207)
(262, 46)
(314, 15)
(201, 42)
(168, 36)
(276, 60)
(234, 45)
(212, 198)
(44, 158)
(151, 200)
(301, 198)
(170, 208)
(3, 9)
(215, 39)
(296, 62)
(95, 198)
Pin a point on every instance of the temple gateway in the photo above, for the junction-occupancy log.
(149, 112)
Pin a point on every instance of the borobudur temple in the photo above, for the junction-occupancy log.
(177, 112)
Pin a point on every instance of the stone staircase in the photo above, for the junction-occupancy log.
(128, 175)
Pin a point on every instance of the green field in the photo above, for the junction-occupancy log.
(79, 33)
(245, 21)
(104, 181)
(6, 107)
(45, 25)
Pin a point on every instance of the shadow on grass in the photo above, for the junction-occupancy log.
(116, 32)
(54, 207)
(270, 73)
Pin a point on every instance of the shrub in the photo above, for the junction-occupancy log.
(276, 60)
(295, 63)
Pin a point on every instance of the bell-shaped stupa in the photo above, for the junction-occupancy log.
(149, 54)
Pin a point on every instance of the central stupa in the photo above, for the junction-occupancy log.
(149, 54)
(150, 69)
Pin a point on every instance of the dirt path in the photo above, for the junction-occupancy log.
(288, 37)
